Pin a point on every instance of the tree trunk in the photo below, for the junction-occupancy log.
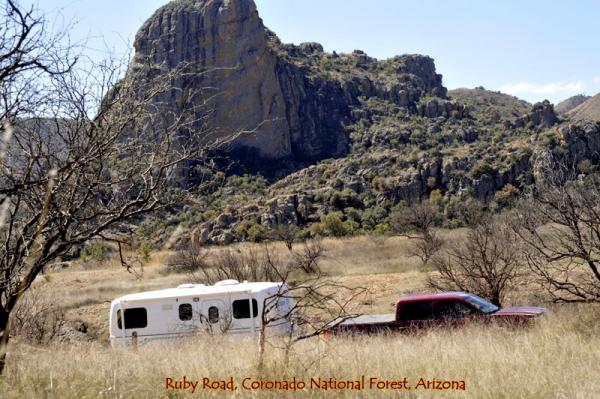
(5, 329)
(261, 347)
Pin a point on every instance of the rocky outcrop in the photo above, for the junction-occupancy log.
(490, 106)
(435, 108)
(542, 115)
(284, 97)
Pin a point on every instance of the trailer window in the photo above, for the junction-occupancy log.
(241, 309)
(185, 312)
(134, 318)
(422, 310)
(213, 315)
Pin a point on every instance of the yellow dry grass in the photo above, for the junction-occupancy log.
(558, 358)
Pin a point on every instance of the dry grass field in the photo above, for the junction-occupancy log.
(558, 358)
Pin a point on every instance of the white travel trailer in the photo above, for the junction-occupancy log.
(192, 308)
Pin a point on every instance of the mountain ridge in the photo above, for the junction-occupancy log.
(587, 110)
(572, 102)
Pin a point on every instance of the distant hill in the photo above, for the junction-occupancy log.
(566, 105)
(590, 109)
(492, 105)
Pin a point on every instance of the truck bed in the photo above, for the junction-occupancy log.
(367, 324)
(371, 319)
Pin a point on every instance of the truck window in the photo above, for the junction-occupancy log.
(241, 309)
(481, 304)
(185, 311)
(134, 318)
(422, 310)
(213, 314)
(453, 309)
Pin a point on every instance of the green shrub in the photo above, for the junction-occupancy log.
(484, 169)
(256, 232)
(345, 199)
(431, 182)
(145, 251)
(381, 229)
(436, 196)
(372, 217)
(585, 166)
(353, 214)
(378, 183)
(351, 227)
(95, 250)
(333, 224)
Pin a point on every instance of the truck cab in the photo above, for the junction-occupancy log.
(453, 309)
(456, 308)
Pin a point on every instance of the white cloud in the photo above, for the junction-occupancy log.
(596, 79)
(547, 89)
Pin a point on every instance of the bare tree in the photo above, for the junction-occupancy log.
(487, 262)
(82, 151)
(559, 222)
(209, 266)
(36, 318)
(309, 256)
(427, 245)
(418, 222)
(307, 299)
(192, 260)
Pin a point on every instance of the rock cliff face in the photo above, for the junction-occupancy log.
(223, 46)
(252, 82)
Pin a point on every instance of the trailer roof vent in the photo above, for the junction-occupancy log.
(189, 285)
(226, 282)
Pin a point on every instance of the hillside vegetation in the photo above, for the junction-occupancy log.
(490, 105)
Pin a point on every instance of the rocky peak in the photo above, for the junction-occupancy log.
(422, 68)
(224, 46)
(295, 100)
(189, 30)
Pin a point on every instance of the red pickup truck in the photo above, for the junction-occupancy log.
(443, 309)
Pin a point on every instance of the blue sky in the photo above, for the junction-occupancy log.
(532, 49)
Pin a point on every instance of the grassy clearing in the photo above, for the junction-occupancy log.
(558, 358)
